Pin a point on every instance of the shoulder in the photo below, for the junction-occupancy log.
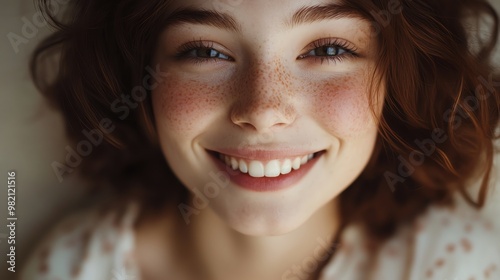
(455, 243)
(94, 243)
(459, 243)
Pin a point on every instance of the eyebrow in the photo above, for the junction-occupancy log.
(311, 14)
(303, 15)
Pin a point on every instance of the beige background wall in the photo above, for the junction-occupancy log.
(31, 138)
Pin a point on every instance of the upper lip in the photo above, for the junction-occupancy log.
(264, 154)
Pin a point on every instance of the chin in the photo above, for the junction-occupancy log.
(265, 221)
(261, 230)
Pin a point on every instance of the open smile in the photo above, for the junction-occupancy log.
(270, 168)
(265, 175)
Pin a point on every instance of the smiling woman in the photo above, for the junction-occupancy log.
(276, 139)
(229, 82)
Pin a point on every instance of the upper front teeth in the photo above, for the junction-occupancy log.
(272, 168)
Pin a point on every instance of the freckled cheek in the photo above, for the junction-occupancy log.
(185, 106)
(345, 113)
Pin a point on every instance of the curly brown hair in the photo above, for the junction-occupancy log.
(438, 123)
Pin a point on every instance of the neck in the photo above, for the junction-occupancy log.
(224, 253)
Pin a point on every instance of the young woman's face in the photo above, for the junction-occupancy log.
(261, 87)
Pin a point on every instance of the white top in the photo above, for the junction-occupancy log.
(442, 244)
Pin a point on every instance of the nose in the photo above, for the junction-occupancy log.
(265, 99)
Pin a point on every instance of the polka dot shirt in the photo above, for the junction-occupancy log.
(442, 244)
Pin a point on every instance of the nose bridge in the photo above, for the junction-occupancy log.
(270, 76)
(265, 99)
(265, 71)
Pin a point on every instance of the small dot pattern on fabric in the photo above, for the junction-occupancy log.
(90, 245)
(442, 244)
(456, 243)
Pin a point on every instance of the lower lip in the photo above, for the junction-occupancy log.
(266, 184)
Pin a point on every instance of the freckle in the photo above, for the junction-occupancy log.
(450, 248)
(466, 245)
(429, 273)
(439, 262)
(182, 98)
(468, 228)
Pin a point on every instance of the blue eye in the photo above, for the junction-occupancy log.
(330, 49)
(327, 51)
(200, 51)
(206, 53)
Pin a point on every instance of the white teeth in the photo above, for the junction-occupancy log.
(286, 166)
(296, 163)
(256, 169)
(272, 168)
(243, 166)
(234, 163)
(303, 160)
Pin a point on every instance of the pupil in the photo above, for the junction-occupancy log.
(329, 51)
(210, 53)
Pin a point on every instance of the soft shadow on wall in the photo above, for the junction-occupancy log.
(31, 137)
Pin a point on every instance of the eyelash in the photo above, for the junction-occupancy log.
(184, 50)
(349, 51)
